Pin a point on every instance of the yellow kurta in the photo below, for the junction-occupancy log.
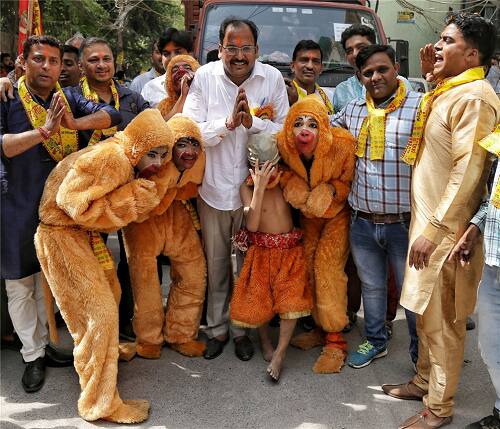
(448, 185)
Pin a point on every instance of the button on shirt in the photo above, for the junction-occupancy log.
(154, 91)
(382, 186)
(210, 102)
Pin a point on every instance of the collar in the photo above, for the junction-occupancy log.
(258, 70)
(384, 104)
(123, 91)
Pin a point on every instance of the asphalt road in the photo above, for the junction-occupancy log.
(194, 393)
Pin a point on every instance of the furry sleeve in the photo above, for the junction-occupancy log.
(98, 193)
(329, 198)
(188, 191)
(295, 189)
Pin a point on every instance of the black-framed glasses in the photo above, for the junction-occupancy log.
(245, 50)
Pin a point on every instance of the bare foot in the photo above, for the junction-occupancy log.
(267, 350)
(274, 368)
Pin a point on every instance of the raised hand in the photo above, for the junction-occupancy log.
(186, 82)
(55, 114)
(427, 60)
(262, 175)
(291, 90)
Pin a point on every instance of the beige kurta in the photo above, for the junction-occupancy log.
(448, 185)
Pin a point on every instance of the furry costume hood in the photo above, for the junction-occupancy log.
(145, 132)
(182, 126)
(331, 143)
(167, 103)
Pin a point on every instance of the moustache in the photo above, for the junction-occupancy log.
(149, 171)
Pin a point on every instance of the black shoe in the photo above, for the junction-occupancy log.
(243, 348)
(215, 347)
(489, 422)
(56, 357)
(470, 324)
(127, 332)
(34, 375)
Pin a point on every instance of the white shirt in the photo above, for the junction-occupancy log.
(210, 102)
(154, 91)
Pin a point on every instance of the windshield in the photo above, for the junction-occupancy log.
(282, 26)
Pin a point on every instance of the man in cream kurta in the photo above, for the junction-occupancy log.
(448, 185)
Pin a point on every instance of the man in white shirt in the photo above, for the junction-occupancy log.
(156, 70)
(171, 43)
(230, 99)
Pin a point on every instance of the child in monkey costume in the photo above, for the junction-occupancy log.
(321, 161)
(180, 73)
(170, 231)
(90, 191)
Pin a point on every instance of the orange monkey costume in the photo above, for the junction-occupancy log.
(321, 196)
(166, 105)
(169, 231)
(95, 189)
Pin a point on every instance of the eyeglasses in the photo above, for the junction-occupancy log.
(245, 50)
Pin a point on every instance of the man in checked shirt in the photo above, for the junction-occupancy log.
(380, 193)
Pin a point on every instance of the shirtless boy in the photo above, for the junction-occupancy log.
(273, 278)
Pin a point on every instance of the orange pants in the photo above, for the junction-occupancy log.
(326, 244)
(171, 234)
(88, 298)
(272, 281)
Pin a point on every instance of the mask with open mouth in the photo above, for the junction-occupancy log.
(305, 131)
(149, 171)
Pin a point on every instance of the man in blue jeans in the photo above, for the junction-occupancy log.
(380, 193)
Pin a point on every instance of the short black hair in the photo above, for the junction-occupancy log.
(41, 40)
(365, 53)
(358, 30)
(4, 55)
(237, 22)
(477, 32)
(93, 41)
(69, 49)
(183, 39)
(306, 45)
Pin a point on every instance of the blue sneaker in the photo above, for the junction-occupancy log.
(365, 354)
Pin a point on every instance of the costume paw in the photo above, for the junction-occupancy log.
(131, 411)
(308, 340)
(296, 191)
(320, 199)
(126, 351)
(331, 360)
(149, 351)
(191, 348)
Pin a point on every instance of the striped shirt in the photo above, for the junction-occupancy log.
(382, 186)
(488, 218)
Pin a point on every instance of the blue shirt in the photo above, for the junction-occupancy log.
(23, 178)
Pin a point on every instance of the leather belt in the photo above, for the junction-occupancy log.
(379, 218)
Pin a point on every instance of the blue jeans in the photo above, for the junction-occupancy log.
(488, 308)
(374, 247)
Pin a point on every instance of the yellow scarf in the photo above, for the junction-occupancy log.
(303, 93)
(492, 144)
(374, 124)
(412, 148)
(59, 145)
(91, 95)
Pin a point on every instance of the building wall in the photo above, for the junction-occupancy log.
(420, 32)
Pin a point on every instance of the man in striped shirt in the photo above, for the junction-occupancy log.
(380, 194)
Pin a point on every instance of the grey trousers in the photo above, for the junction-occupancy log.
(217, 228)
